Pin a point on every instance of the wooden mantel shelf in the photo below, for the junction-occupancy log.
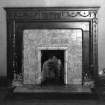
(51, 13)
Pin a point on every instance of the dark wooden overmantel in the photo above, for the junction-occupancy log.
(21, 18)
(52, 13)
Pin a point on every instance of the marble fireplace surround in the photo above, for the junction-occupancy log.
(21, 19)
(69, 40)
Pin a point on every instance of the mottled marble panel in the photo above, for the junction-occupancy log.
(70, 38)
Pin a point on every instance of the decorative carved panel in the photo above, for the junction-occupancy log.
(52, 13)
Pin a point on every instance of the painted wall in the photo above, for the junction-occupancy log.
(51, 3)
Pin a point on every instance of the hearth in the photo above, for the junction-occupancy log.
(52, 46)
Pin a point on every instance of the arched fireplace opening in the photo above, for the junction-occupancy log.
(52, 67)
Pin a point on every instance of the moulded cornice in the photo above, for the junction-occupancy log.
(52, 13)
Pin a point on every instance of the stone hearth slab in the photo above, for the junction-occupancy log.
(52, 89)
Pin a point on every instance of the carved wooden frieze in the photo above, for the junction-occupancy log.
(52, 13)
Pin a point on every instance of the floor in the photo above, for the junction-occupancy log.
(8, 98)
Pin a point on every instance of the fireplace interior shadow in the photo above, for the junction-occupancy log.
(52, 67)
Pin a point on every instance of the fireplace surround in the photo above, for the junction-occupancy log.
(73, 30)
(53, 41)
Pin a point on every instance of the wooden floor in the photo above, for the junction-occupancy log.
(52, 89)
(7, 98)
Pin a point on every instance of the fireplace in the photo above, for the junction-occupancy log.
(39, 38)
